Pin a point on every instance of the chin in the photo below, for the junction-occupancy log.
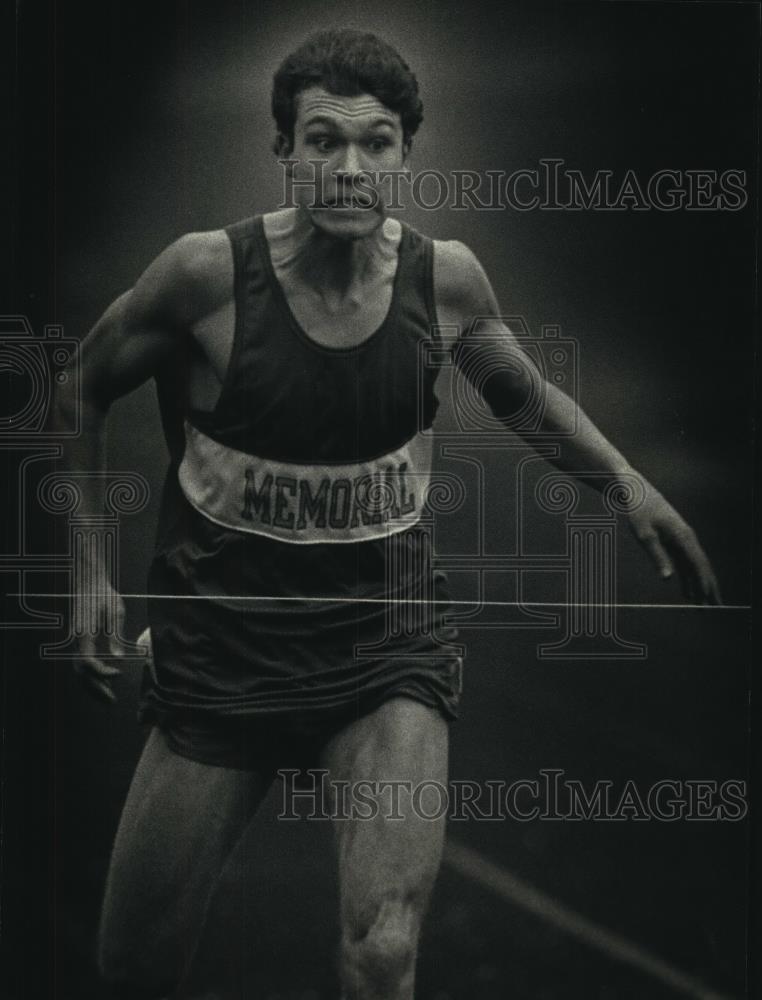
(346, 224)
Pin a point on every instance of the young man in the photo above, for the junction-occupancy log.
(285, 350)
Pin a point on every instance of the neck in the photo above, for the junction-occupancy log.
(331, 263)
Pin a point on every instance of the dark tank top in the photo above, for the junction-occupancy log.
(293, 565)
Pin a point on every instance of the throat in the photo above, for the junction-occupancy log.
(342, 271)
(336, 320)
(338, 291)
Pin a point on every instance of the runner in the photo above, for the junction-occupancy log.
(285, 348)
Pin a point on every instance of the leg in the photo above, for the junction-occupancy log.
(179, 825)
(387, 867)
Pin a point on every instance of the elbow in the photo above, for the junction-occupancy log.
(77, 406)
(513, 397)
(66, 404)
(507, 379)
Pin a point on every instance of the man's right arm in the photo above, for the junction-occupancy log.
(124, 349)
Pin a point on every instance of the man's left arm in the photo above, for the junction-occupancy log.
(463, 293)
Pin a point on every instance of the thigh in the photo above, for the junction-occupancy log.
(388, 862)
(179, 825)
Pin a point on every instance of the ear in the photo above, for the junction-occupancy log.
(282, 147)
(407, 145)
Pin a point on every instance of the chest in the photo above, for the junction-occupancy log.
(331, 321)
(339, 321)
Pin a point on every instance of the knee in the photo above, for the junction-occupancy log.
(378, 956)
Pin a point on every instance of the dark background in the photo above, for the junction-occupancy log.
(132, 124)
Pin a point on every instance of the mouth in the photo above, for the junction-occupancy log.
(346, 204)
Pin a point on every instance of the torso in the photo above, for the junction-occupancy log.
(299, 471)
(338, 324)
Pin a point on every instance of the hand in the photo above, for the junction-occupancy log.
(673, 546)
(98, 618)
(144, 640)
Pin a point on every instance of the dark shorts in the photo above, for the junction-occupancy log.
(342, 623)
(269, 743)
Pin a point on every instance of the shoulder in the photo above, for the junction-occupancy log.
(200, 260)
(461, 285)
(189, 279)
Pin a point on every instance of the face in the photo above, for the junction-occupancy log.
(342, 144)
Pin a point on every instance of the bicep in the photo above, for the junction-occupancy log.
(122, 351)
(134, 335)
(486, 351)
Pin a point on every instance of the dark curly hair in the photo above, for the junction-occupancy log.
(347, 62)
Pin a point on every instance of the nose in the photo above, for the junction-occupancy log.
(350, 163)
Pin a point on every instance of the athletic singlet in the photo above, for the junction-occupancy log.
(293, 570)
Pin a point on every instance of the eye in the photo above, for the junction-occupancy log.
(323, 143)
(378, 144)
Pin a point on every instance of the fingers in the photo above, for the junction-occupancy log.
(659, 556)
(100, 617)
(688, 583)
(114, 642)
(702, 581)
(715, 596)
(94, 673)
(99, 668)
(96, 677)
(91, 659)
(144, 641)
(679, 551)
(698, 578)
(95, 681)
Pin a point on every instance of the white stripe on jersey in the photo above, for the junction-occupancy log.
(305, 504)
